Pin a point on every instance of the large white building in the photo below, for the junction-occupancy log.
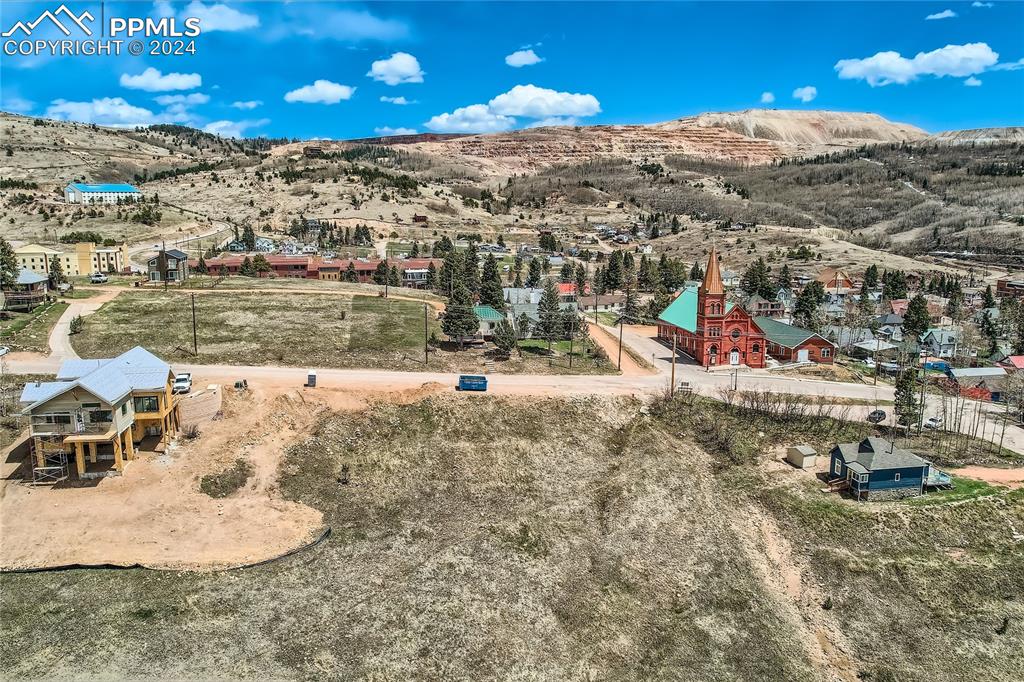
(81, 193)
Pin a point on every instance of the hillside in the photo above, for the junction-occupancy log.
(798, 129)
(980, 135)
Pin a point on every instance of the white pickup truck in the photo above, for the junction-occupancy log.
(182, 383)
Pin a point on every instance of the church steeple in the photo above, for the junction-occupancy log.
(712, 283)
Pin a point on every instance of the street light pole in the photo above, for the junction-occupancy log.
(620, 343)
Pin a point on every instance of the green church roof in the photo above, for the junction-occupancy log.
(782, 334)
(682, 312)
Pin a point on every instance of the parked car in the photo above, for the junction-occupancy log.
(876, 416)
(98, 278)
(869, 363)
(933, 423)
(4, 350)
(182, 383)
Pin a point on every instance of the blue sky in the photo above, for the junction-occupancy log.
(321, 69)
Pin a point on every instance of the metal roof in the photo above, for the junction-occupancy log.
(874, 454)
(978, 372)
(27, 277)
(105, 187)
(782, 334)
(110, 380)
(487, 313)
(682, 311)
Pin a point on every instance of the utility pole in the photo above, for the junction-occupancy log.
(426, 326)
(672, 385)
(620, 343)
(195, 337)
(387, 271)
(162, 263)
(572, 335)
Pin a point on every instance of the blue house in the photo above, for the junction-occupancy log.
(875, 469)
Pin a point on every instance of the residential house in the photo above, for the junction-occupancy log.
(236, 246)
(835, 280)
(488, 318)
(940, 343)
(898, 306)
(602, 303)
(170, 265)
(730, 278)
(29, 290)
(312, 152)
(845, 337)
(84, 258)
(788, 343)
(416, 218)
(889, 327)
(759, 306)
(108, 193)
(101, 409)
(1012, 363)
(978, 383)
(875, 469)
(264, 245)
(522, 295)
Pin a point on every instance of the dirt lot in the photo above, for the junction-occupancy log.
(482, 538)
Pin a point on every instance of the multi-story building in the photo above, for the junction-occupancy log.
(82, 193)
(100, 409)
(84, 259)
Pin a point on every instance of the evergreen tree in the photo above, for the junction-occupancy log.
(631, 307)
(567, 273)
(916, 320)
(784, 280)
(471, 269)
(501, 241)
(871, 276)
(352, 276)
(906, 403)
(988, 300)
(459, 319)
(394, 276)
(57, 276)
(247, 269)
(442, 247)
(806, 311)
(431, 276)
(201, 267)
(613, 273)
(988, 330)
(506, 339)
(549, 313)
(260, 264)
(867, 307)
(414, 252)
(955, 304)
(523, 326)
(696, 272)
(533, 278)
(451, 271)
(581, 280)
(249, 238)
(380, 273)
(490, 285)
(656, 306)
(1017, 330)
(894, 285)
(755, 280)
(8, 265)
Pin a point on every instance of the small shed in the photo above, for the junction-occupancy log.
(801, 456)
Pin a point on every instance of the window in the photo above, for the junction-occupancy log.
(104, 416)
(838, 467)
(147, 403)
(897, 477)
(124, 407)
(90, 406)
(57, 419)
(735, 334)
(714, 331)
(826, 352)
(756, 348)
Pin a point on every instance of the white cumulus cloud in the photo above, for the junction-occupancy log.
(320, 92)
(806, 93)
(152, 80)
(767, 97)
(234, 128)
(885, 68)
(15, 103)
(191, 98)
(944, 14)
(401, 101)
(972, 82)
(220, 17)
(388, 130)
(108, 111)
(246, 105)
(534, 102)
(401, 67)
(554, 121)
(476, 118)
(522, 58)
(981, 4)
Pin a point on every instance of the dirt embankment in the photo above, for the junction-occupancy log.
(156, 514)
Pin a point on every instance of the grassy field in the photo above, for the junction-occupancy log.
(482, 538)
(308, 330)
(31, 331)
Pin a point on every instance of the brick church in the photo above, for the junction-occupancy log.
(710, 329)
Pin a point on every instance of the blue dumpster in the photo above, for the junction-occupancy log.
(472, 382)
